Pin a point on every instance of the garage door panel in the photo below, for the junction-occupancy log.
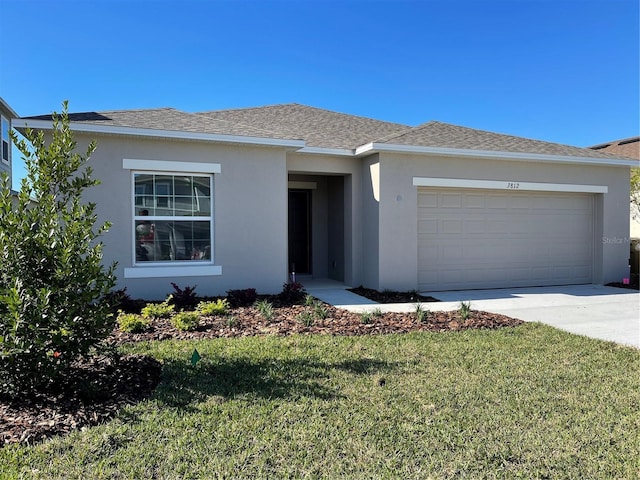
(450, 200)
(489, 239)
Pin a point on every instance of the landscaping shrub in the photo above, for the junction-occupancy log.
(305, 318)
(265, 309)
(121, 301)
(133, 323)
(183, 298)
(464, 310)
(158, 310)
(242, 298)
(185, 321)
(292, 292)
(320, 310)
(421, 313)
(366, 318)
(219, 307)
(54, 304)
(232, 322)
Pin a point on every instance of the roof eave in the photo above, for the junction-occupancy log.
(150, 132)
(373, 147)
(8, 108)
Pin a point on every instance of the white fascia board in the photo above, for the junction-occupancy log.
(526, 157)
(170, 166)
(173, 271)
(513, 185)
(327, 151)
(150, 132)
(7, 107)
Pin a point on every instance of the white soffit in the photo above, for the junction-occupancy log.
(170, 166)
(507, 185)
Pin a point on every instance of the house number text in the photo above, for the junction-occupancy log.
(513, 185)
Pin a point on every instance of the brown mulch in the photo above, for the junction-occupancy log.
(287, 321)
(134, 377)
(92, 394)
(391, 296)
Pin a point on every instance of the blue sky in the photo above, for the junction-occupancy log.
(559, 70)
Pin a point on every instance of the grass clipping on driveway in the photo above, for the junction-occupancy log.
(528, 402)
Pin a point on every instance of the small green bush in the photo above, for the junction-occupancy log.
(309, 300)
(376, 312)
(132, 323)
(158, 310)
(464, 310)
(185, 321)
(305, 318)
(421, 313)
(232, 322)
(320, 310)
(366, 317)
(219, 307)
(265, 309)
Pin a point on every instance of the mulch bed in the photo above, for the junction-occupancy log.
(92, 394)
(391, 296)
(134, 377)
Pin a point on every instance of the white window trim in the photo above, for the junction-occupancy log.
(511, 185)
(189, 268)
(169, 166)
(182, 270)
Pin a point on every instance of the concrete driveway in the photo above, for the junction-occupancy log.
(596, 311)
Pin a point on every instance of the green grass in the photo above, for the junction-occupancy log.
(528, 402)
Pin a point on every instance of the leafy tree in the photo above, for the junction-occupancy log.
(53, 309)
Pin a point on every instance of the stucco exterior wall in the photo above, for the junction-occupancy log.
(398, 208)
(250, 204)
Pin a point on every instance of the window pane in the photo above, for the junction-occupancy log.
(5, 129)
(173, 240)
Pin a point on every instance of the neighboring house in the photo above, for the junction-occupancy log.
(627, 147)
(6, 115)
(241, 198)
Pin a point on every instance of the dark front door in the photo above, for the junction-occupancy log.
(300, 231)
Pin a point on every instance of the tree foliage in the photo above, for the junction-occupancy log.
(53, 284)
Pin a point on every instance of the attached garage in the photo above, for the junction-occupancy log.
(488, 238)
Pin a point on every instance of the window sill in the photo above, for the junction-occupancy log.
(173, 271)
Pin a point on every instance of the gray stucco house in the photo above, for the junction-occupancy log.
(241, 198)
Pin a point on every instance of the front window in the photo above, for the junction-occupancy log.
(172, 217)
(4, 127)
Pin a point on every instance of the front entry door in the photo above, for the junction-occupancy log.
(300, 231)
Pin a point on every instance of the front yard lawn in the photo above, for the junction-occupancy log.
(522, 402)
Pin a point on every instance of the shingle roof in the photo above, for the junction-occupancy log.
(627, 147)
(167, 119)
(445, 135)
(318, 127)
(325, 129)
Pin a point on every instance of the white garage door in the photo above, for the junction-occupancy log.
(490, 239)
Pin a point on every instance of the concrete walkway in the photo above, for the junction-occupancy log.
(596, 311)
